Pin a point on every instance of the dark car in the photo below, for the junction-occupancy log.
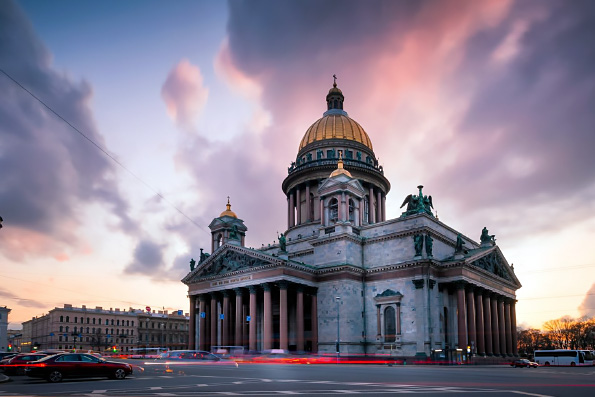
(523, 362)
(183, 358)
(16, 365)
(70, 365)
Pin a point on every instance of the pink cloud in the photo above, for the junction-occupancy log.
(183, 93)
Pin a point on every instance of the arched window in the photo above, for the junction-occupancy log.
(366, 209)
(87, 329)
(67, 328)
(93, 320)
(218, 241)
(118, 322)
(351, 211)
(75, 329)
(87, 320)
(334, 210)
(67, 319)
(75, 320)
(61, 319)
(61, 329)
(311, 214)
(390, 324)
(128, 323)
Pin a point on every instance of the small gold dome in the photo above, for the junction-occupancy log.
(336, 126)
(228, 211)
(340, 170)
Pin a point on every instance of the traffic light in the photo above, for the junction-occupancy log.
(10, 347)
(114, 349)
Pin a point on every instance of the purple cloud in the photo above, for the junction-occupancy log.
(51, 170)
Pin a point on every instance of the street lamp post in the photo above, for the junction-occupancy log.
(338, 300)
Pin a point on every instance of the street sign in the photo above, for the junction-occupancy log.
(247, 318)
(203, 314)
(51, 334)
(180, 312)
(148, 308)
(221, 316)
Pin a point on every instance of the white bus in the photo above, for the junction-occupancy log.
(563, 358)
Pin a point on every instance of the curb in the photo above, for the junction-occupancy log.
(4, 378)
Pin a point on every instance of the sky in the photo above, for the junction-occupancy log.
(124, 126)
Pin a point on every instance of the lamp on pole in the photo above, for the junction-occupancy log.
(338, 300)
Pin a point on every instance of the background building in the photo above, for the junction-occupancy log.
(4, 311)
(163, 329)
(343, 277)
(90, 329)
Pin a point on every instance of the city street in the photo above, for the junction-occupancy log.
(319, 380)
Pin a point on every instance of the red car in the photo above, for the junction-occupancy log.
(70, 365)
(16, 365)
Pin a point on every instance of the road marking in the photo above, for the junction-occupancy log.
(99, 391)
(530, 394)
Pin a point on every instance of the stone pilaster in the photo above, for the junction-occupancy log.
(300, 318)
(487, 321)
(479, 323)
(267, 318)
(283, 316)
(192, 323)
(238, 340)
(495, 324)
(472, 338)
(461, 316)
(252, 325)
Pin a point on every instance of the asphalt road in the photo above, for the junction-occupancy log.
(320, 380)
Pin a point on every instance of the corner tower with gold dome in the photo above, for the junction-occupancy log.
(331, 137)
(411, 286)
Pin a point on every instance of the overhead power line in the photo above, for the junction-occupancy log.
(101, 149)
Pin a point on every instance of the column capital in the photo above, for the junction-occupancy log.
(253, 289)
(225, 293)
(313, 290)
(300, 287)
(265, 286)
(283, 284)
(494, 295)
(239, 291)
(460, 284)
(214, 295)
(419, 284)
(431, 283)
(202, 298)
(470, 287)
(478, 290)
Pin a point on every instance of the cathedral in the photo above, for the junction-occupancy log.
(343, 278)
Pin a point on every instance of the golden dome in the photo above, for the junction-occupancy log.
(336, 126)
(228, 211)
(340, 170)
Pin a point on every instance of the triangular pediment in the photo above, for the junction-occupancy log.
(342, 182)
(229, 259)
(493, 262)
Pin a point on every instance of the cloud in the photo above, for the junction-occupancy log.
(52, 172)
(183, 93)
(587, 306)
(22, 301)
(488, 103)
(148, 259)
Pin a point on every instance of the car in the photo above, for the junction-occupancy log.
(180, 358)
(80, 365)
(16, 365)
(523, 362)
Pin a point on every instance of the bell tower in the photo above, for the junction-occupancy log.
(227, 229)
